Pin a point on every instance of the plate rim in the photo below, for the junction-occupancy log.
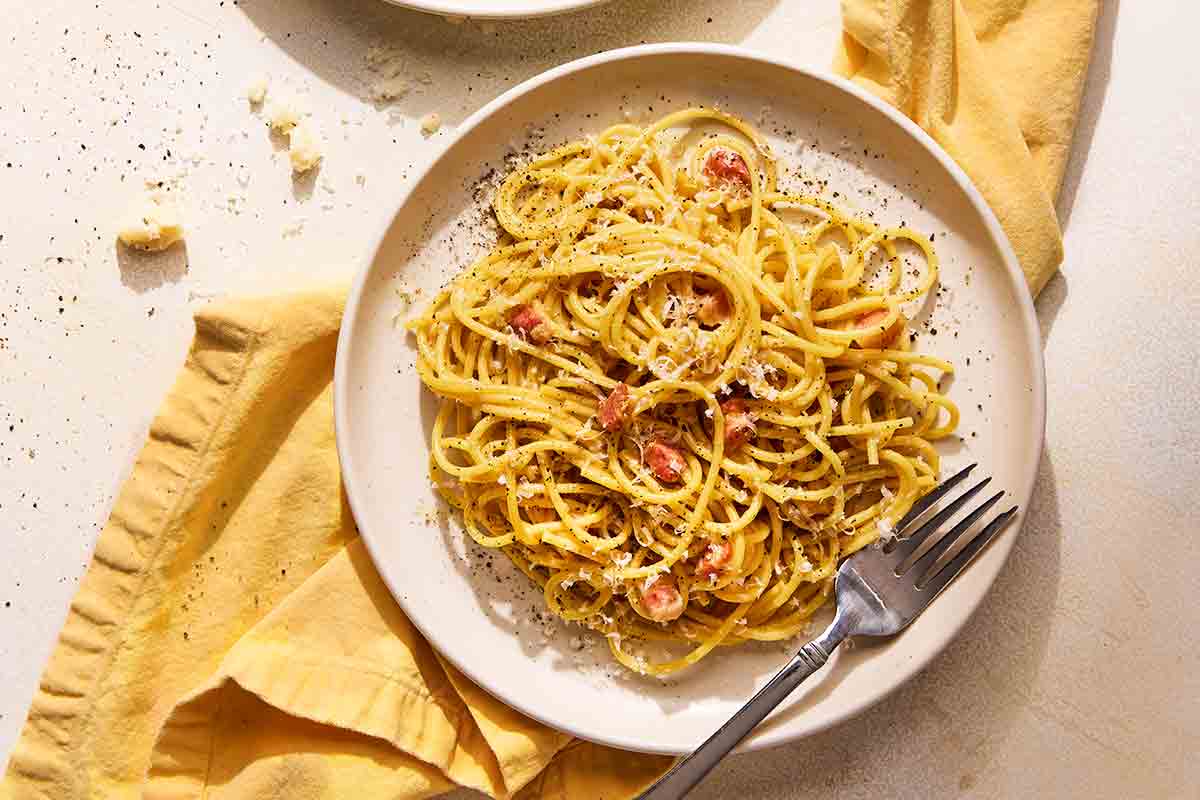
(480, 9)
(779, 735)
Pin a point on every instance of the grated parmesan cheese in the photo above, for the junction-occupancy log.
(152, 224)
(294, 228)
(256, 92)
(304, 149)
(388, 64)
(887, 531)
(430, 123)
(283, 115)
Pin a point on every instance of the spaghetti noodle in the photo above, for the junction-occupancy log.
(675, 395)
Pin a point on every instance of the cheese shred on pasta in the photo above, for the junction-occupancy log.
(676, 396)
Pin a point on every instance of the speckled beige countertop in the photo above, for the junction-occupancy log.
(1079, 676)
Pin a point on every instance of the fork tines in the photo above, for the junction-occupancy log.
(923, 551)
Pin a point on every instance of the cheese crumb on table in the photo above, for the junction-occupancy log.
(283, 116)
(294, 228)
(256, 92)
(430, 123)
(286, 117)
(392, 88)
(387, 63)
(152, 224)
(305, 148)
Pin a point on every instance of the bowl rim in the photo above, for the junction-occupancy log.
(482, 9)
(1028, 318)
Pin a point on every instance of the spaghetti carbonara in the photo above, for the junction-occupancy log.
(675, 395)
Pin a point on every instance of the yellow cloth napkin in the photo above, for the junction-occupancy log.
(231, 638)
(997, 84)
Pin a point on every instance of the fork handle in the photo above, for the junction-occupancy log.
(691, 770)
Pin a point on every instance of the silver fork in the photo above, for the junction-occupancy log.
(879, 592)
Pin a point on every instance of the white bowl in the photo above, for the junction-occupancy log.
(481, 616)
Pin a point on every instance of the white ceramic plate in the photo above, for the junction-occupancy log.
(479, 611)
(497, 9)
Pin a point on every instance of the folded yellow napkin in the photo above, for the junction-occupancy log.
(997, 84)
(231, 638)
